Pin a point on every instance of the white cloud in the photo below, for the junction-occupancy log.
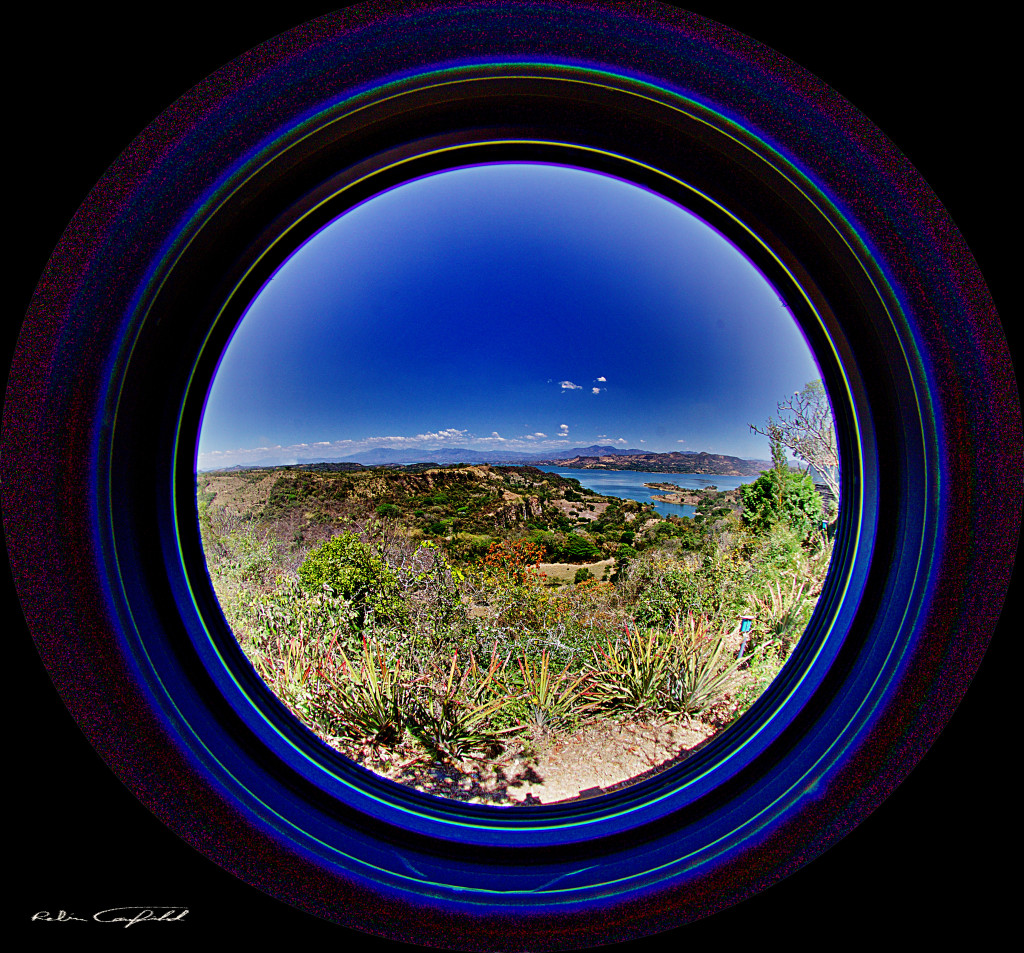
(271, 455)
(434, 436)
(569, 385)
(603, 379)
(596, 390)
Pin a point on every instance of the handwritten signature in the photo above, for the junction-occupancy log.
(129, 916)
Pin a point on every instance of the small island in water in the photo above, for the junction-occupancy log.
(686, 496)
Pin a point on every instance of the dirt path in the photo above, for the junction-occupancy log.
(544, 768)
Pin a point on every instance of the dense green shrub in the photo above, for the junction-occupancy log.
(546, 541)
(625, 552)
(352, 569)
(773, 498)
(690, 537)
(576, 549)
(780, 553)
(667, 589)
(470, 547)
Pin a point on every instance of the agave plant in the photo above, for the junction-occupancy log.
(697, 678)
(552, 703)
(368, 701)
(455, 720)
(286, 665)
(784, 612)
(630, 673)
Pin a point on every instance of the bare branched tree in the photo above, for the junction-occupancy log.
(806, 428)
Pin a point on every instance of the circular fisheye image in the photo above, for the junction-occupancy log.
(517, 483)
(427, 664)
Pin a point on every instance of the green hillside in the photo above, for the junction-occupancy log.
(438, 613)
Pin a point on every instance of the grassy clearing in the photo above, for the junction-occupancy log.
(561, 573)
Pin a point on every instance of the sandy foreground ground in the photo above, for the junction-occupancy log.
(544, 769)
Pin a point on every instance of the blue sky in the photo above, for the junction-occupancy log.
(507, 306)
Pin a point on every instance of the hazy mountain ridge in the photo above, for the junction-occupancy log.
(379, 455)
(594, 457)
(719, 464)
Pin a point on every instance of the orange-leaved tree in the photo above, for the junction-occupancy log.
(517, 559)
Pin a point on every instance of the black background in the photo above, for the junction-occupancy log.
(927, 865)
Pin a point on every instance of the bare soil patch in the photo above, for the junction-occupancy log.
(584, 511)
(239, 493)
(545, 768)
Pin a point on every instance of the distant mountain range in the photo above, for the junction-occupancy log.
(379, 455)
(580, 458)
(686, 461)
(594, 457)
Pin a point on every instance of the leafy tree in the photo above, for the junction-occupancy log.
(667, 590)
(354, 571)
(773, 498)
(578, 550)
(519, 559)
(780, 465)
(806, 428)
(470, 547)
(546, 541)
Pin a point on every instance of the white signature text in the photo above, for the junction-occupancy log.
(127, 916)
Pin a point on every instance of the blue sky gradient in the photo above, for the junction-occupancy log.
(507, 306)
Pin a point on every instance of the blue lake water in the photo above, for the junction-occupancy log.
(629, 485)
